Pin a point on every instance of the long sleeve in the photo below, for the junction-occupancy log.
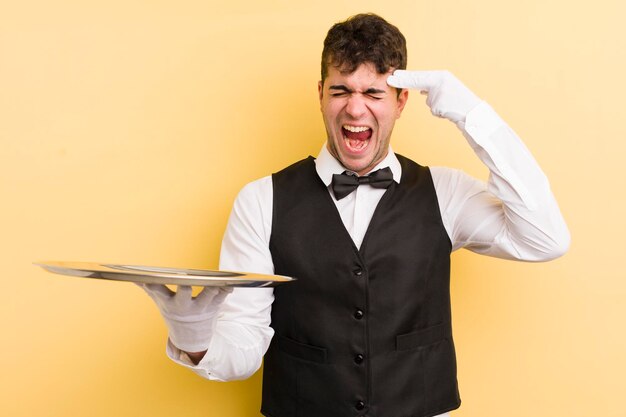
(242, 334)
(514, 215)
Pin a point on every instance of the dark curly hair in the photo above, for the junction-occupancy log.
(364, 38)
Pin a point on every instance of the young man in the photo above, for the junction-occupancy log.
(366, 328)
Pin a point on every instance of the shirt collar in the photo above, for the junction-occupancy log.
(326, 165)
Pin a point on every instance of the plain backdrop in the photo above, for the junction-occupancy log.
(128, 127)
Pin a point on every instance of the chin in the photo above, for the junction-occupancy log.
(356, 166)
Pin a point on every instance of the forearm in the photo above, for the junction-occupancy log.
(515, 215)
(242, 333)
(235, 352)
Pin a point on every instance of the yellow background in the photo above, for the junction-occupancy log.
(118, 120)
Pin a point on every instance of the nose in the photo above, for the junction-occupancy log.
(356, 106)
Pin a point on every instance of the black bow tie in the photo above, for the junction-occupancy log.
(344, 184)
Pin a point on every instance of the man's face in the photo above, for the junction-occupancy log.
(359, 111)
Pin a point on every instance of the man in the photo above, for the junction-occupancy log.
(366, 328)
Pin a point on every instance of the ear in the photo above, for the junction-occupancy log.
(320, 90)
(402, 99)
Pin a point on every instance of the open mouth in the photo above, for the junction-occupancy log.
(356, 137)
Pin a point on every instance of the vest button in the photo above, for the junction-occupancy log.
(359, 405)
(358, 314)
(358, 359)
(358, 272)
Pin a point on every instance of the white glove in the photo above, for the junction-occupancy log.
(447, 96)
(190, 320)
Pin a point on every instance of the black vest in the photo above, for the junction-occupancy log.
(361, 332)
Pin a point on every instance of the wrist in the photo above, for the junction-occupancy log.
(194, 336)
(195, 357)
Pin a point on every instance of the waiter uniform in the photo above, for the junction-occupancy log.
(379, 321)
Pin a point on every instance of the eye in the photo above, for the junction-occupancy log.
(338, 94)
(375, 97)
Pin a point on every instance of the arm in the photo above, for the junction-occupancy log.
(235, 345)
(514, 215)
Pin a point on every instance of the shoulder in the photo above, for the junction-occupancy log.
(260, 191)
(449, 180)
(408, 163)
(412, 172)
(255, 193)
(302, 166)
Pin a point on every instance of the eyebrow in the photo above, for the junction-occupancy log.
(340, 88)
(370, 90)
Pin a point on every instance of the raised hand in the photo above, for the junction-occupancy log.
(447, 96)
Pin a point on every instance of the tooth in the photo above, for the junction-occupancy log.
(355, 128)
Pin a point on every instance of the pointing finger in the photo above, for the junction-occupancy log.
(419, 80)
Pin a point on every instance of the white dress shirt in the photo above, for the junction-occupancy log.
(514, 215)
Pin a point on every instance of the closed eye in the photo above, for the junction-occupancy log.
(375, 93)
(339, 90)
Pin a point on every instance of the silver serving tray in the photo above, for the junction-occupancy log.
(163, 275)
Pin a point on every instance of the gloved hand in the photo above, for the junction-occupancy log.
(190, 320)
(447, 96)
